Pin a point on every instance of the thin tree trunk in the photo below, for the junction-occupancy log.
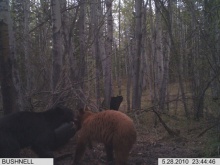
(82, 46)
(27, 54)
(82, 43)
(26, 5)
(151, 56)
(129, 69)
(57, 58)
(137, 86)
(107, 66)
(95, 50)
(119, 80)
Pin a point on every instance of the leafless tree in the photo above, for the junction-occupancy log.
(57, 56)
(7, 85)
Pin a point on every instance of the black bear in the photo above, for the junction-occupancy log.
(115, 103)
(112, 128)
(42, 131)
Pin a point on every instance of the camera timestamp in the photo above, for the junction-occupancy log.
(188, 161)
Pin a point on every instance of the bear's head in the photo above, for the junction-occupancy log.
(115, 102)
(59, 115)
(83, 114)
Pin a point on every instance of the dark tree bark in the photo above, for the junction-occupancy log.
(57, 58)
(7, 86)
(107, 68)
(137, 84)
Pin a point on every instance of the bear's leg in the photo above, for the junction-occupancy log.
(121, 157)
(80, 149)
(42, 151)
(42, 144)
(122, 143)
(122, 151)
(109, 152)
(9, 147)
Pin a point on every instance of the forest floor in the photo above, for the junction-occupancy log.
(152, 143)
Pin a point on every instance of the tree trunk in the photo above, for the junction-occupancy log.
(118, 57)
(212, 31)
(82, 39)
(27, 54)
(107, 66)
(20, 99)
(95, 50)
(137, 83)
(57, 58)
(129, 68)
(7, 86)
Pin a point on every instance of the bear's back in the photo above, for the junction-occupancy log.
(106, 125)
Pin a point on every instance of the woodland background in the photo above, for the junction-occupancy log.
(160, 55)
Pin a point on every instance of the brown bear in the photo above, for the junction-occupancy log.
(112, 128)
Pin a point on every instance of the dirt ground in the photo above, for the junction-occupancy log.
(144, 152)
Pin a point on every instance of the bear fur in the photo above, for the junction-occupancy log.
(112, 128)
(115, 103)
(42, 131)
